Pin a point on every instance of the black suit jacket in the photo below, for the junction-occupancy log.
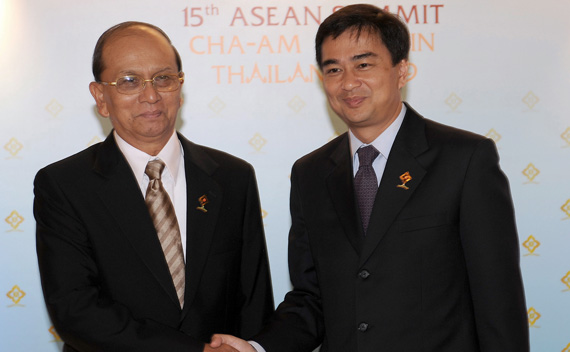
(438, 269)
(105, 280)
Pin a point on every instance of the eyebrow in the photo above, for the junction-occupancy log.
(354, 58)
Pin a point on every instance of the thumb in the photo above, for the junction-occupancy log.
(216, 341)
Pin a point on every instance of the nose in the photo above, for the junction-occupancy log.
(149, 94)
(350, 80)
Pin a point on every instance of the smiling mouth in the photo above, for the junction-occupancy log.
(353, 102)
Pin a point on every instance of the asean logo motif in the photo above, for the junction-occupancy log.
(530, 100)
(531, 172)
(93, 141)
(453, 101)
(494, 135)
(566, 137)
(13, 147)
(567, 348)
(14, 220)
(566, 281)
(296, 104)
(533, 317)
(54, 108)
(566, 209)
(531, 244)
(257, 142)
(16, 295)
(55, 335)
(217, 105)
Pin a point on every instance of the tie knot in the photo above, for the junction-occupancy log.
(366, 155)
(154, 169)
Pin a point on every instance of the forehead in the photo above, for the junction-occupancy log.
(353, 40)
(136, 48)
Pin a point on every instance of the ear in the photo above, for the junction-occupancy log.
(96, 90)
(403, 67)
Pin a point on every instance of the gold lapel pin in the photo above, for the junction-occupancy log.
(405, 178)
(203, 200)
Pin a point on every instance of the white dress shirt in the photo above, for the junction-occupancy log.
(173, 175)
(383, 143)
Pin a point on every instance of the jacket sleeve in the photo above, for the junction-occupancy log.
(84, 316)
(298, 324)
(255, 279)
(490, 244)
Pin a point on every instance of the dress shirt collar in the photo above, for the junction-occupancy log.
(383, 143)
(137, 159)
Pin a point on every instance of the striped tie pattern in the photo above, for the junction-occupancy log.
(164, 219)
(366, 183)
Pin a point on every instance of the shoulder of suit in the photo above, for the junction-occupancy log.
(83, 160)
(221, 158)
(326, 150)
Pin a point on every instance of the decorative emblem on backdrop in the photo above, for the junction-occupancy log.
(56, 337)
(203, 200)
(217, 105)
(296, 104)
(531, 244)
(453, 101)
(54, 108)
(566, 209)
(16, 295)
(13, 147)
(94, 140)
(14, 220)
(567, 348)
(533, 317)
(257, 142)
(405, 178)
(530, 172)
(566, 137)
(566, 281)
(494, 135)
(264, 213)
(412, 72)
(530, 100)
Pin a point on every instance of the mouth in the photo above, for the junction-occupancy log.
(353, 102)
(151, 114)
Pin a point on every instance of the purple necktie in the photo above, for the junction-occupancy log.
(366, 183)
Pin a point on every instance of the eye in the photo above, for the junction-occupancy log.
(128, 81)
(163, 80)
(333, 70)
(363, 65)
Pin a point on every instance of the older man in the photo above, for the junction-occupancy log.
(403, 234)
(147, 241)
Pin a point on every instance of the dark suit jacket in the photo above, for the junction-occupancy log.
(438, 269)
(105, 280)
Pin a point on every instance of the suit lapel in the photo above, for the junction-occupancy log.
(341, 190)
(201, 224)
(125, 203)
(390, 199)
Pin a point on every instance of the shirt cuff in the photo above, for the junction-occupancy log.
(257, 346)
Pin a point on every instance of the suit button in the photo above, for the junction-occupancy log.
(364, 274)
(362, 327)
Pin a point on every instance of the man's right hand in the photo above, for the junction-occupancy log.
(220, 340)
(220, 348)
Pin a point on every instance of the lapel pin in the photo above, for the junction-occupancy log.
(203, 200)
(405, 178)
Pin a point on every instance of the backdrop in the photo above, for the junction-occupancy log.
(498, 68)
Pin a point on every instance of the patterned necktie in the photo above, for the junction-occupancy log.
(366, 183)
(164, 219)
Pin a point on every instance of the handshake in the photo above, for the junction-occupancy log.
(228, 343)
